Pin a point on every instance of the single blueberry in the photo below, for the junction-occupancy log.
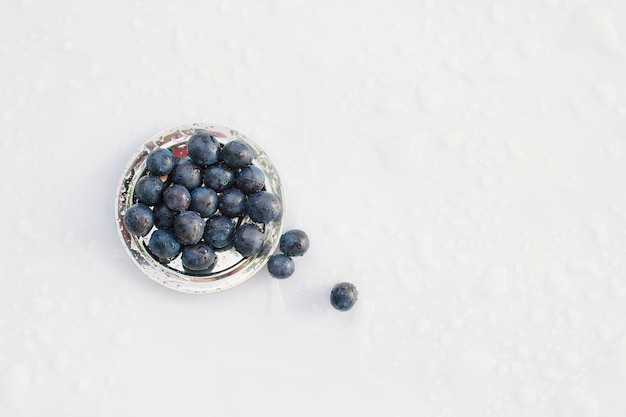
(188, 175)
(219, 177)
(343, 296)
(164, 245)
(149, 190)
(204, 201)
(203, 148)
(219, 231)
(237, 154)
(280, 266)
(294, 243)
(188, 227)
(138, 219)
(177, 197)
(250, 180)
(232, 203)
(248, 239)
(160, 162)
(198, 257)
(163, 216)
(263, 207)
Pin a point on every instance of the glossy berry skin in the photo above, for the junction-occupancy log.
(138, 219)
(250, 180)
(177, 198)
(237, 154)
(164, 245)
(232, 203)
(188, 227)
(294, 243)
(203, 149)
(263, 207)
(163, 216)
(187, 175)
(203, 201)
(149, 190)
(160, 162)
(219, 231)
(198, 257)
(248, 239)
(280, 266)
(219, 177)
(343, 296)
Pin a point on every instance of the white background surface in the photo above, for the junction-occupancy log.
(462, 162)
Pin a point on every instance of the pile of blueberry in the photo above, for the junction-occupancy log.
(198, 202)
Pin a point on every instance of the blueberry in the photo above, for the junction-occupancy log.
(160, 162)
(149, 190)
(188, 175)
(138, 219)
(176, 197)
(163, 216)
(263, 207)
(237, 154)
(203, 148)
(294, 243)
(250, 180)
(219, 231)
(188, 227)
(164, 245)
(198, 257)
(343, 296)
(248, 239)
(232, 203)
(204, 201)
(280, 266)
(219, 177)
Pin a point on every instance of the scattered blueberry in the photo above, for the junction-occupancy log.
(280, 266)
(198, 257)
(250, 180)
(219, 177)
(219, 231)
(343, 296)
(187, 175)
(263, 207)
(294, 243)
(188, 227)
(176, 197)
(203, 148)
(248, 239)
(149, 190)
(232, 203)
(237, 154)
(203, 201)
(160, 162)
(164, 216)
(164, 245)
(138, 219)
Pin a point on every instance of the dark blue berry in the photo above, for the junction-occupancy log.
(188, 227)
(280, 266)
(188, 175)
(219, 231)
(138, 219)
(248, 239)
(160, 162)
(294, 243)
(263, 207)
(232, 203)
(149, 190)
(164, 216)
(204, 201)
(203, 148)
(164, 245)
(250, 180)
(198, 257)
(343, 296)
(177, 197)
(219, 177)
(237, 154)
